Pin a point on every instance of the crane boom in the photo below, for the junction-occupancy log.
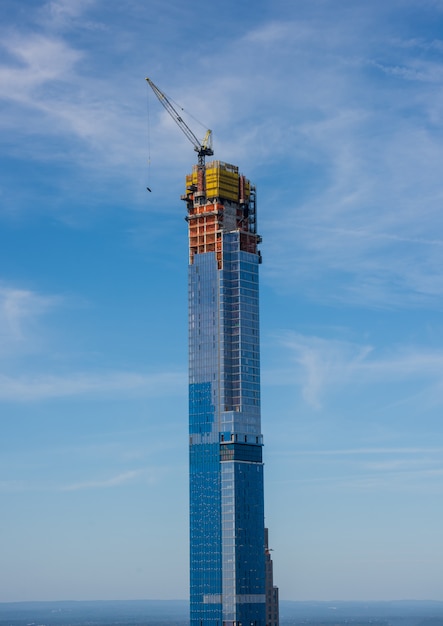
(204, 147)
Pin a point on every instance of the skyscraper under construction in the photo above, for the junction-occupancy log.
(227, 535)
(231, 567)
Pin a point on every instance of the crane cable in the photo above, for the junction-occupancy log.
(149, 141)
(187, 113)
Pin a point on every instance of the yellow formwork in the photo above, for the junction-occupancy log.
(222, 181)
(221, 184)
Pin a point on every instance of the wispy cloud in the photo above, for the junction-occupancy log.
(325, 365)
(377, 469)
(12, 486)
(37, 60)
(62, 14)
(20, 310)
(43, 77)
(356, 156)
(114, 481)
(360, 187)
(22, 332)
(372, 451)
(118, 480)
(408, 481)
(41, 387)
(59, 107)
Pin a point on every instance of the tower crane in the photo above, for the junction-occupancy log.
(203, 148)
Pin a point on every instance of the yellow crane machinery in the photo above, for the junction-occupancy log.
(203, 148)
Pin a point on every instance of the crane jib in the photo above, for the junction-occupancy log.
(203, 148)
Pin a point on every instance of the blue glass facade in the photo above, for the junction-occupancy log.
(227, 567)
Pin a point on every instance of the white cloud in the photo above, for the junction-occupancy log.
(37, 60)
(323, 363)
(359, 190)
(12, 486)
(61, 108)
(378, 469)
(326, 365)
(62, 14)
(41, 387)
(118, 480)
(356, 144)
(276, 32)
(372, 451)
(370, 232)
(19, 312)
(114, 481)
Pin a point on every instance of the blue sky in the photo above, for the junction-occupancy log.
(334, 111)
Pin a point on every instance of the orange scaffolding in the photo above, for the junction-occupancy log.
(228, 203)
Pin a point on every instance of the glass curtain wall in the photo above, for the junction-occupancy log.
(226, 470)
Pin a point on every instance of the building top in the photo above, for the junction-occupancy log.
(219, 200)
